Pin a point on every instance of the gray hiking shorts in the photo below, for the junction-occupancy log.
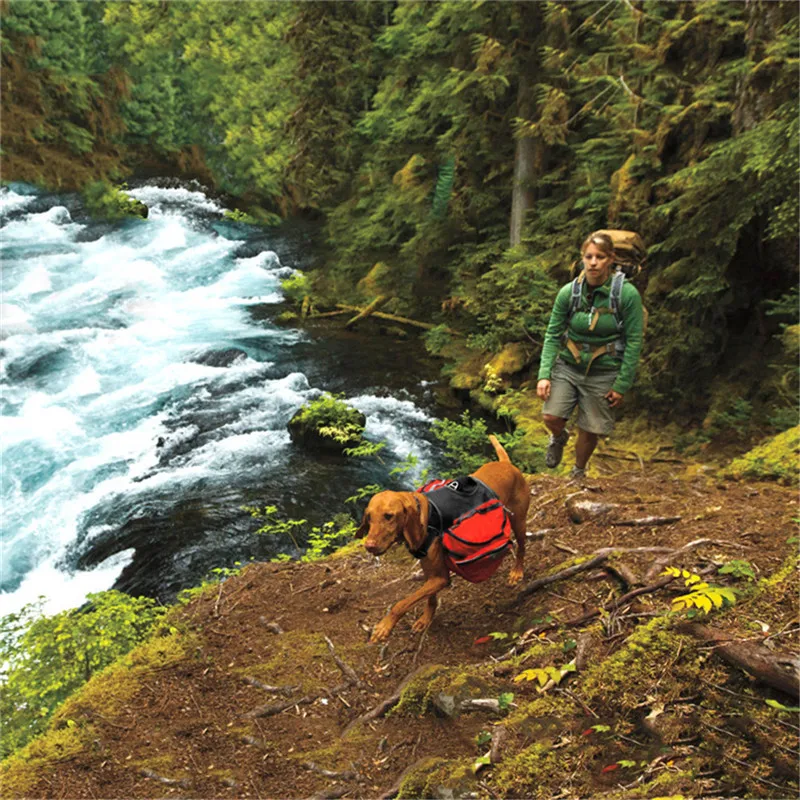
(571, 386)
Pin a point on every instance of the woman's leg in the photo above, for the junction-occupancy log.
(554, 424)
(584, 447)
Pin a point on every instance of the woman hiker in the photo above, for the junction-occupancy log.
(590, 353)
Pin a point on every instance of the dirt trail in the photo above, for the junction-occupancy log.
(205, 726)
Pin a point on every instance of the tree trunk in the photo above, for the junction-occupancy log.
(522, 196)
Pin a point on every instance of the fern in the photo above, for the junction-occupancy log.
(444, 186)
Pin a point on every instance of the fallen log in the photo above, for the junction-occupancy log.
(396, 318)
(380, 300)
(752, 658)
(564, 573)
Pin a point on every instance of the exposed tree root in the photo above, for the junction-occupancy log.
(390, 702)
(148, 773)
(346, 669)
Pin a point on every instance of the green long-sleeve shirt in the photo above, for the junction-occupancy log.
(605, 331)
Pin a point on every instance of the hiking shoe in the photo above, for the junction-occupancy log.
(555, 449)
(577, 474)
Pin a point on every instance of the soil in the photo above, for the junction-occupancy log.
(191, 731)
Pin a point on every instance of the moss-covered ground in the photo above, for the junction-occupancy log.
(246, 697)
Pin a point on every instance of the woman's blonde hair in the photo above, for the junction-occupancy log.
(601, 240)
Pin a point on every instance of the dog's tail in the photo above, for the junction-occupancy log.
(499, 449)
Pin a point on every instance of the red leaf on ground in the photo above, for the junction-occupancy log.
(610, 768)
(587, 731)
(482, 640)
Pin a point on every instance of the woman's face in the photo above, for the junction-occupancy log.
(597, 265)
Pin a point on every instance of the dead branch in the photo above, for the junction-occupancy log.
(490, 704)
(645, 522)
(499, 736)
(284, 690)
(346, 669)
(624, 574)
(753, 659)
(658, 565)
(329, 314)
(148, 773)
(564, 573)
(271, 709)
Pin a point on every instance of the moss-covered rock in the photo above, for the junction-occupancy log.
(105, 201)
(327, 423)
(776, 459)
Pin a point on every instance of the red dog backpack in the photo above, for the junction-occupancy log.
(476, 527)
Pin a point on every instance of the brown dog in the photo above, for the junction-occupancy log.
(396, 516)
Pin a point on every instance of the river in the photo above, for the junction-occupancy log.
(146, 389)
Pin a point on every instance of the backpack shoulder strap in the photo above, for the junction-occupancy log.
(615, 297)
(575, 296)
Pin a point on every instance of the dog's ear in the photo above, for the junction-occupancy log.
(363, 528)
(412, 530)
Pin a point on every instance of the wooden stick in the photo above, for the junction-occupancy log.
(346, 669)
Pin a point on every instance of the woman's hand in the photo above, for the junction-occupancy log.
(543, 389)
(614, 398)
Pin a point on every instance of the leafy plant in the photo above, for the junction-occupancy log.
(331, 417)
(545, 674)
(703, 596)
(464, 441)
(738, 568)
(46, 658)
(505, 699)
(274, 526)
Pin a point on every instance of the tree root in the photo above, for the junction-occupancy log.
(148, 773)
(284, 690)
(346, 669)
(385, 705)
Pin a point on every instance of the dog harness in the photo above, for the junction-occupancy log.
(474, 526)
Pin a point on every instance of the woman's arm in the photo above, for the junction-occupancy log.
(633, 324)
(555, 330)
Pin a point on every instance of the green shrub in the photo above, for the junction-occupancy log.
(332, 418)
(44, 659)
(465, 441)
(108, 202)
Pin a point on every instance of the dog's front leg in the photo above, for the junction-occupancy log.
(432, 586)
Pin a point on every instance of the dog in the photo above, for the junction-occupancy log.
(403, 516)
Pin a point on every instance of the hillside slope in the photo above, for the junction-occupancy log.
(267, 686)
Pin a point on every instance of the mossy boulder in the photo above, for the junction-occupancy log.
(328, 424)
(776, 459)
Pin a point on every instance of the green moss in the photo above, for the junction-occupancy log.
(530, 773)
(294, 660)
(439, 778)
(111, 689)
(21, 772)
(776, 459)
(628, 675)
